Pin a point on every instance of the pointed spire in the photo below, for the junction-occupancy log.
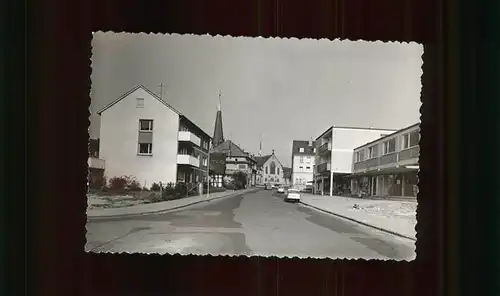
(218, 137)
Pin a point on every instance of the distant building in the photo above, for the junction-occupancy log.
(143, 136)
(303, 160)
(388, 166)
(271, 170)
(236, 159)
(334, 154)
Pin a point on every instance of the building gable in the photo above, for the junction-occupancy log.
(131, 94)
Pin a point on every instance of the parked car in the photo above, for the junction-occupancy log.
(281, 189)
(293, 195)
(269, 187)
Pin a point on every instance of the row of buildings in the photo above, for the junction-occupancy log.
(376, 162)
(143, 136)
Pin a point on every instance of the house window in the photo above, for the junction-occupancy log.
(390, 146)
(362, 155)
(296, 180)
(301, 167)
(405, 141)
(301, 159)
(278, 170)
(145, 138)
(140, 102)
(146, 125)
(414, 138)
(301, 150)
(273, 168)
(242, 166)
(236, 159)
(314, 150)
(308, 168)
(372, 152)
(145, 148)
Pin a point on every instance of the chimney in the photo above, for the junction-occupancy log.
(310, 142)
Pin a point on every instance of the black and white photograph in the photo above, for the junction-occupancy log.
(220, 145)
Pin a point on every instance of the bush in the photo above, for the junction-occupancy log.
(133, 184)
(240, 180)
(230, 186)
(168, 192)
(124, 183)
(180, 189)
(155, 187)
(118, 183)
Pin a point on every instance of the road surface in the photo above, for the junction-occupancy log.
(256, 223)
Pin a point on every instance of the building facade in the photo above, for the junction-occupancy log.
(96, 166)
(237, 160)
(271, 170)
(303, 161)
(334, 153)
(388, 166)
(143, 136)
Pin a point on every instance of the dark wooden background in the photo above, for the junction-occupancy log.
(62, 61)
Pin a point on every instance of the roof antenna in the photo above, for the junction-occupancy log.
(161, 90)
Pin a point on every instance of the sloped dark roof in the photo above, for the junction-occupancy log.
(287, 172)
(131, 91)
(261, 160)
(218, 132)
(230, 149)
(193, 125)
(308, 150)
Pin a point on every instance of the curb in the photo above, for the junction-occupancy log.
(95, 218)
(361, 222)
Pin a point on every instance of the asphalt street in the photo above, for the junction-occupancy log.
(257, 223)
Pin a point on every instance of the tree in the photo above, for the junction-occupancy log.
(240, 179)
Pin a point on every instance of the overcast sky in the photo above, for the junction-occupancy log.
(284, 89)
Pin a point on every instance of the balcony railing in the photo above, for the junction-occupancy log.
(188, 160)
(185, 136)
(325, 147)
(322, 167)
(384, 160)
(96, 163)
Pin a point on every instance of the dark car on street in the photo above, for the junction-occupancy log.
(269, 187)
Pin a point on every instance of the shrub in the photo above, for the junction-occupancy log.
(155, 187)
(240, 180)
(180, 189)
(133, 184)
(118, 183)
(168, 192)
(230, 186)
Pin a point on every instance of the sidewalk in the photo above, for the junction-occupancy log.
(396, 217)
(157, 207)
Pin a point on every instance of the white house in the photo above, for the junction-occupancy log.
(334, 155)
(143, 136)
(303, 160)
(271, 170)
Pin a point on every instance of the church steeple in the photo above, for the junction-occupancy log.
(218, 132)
